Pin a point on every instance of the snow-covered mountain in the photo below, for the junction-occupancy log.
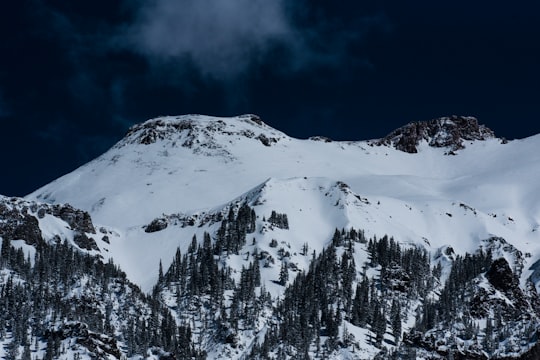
(448, 187)
(193, 163)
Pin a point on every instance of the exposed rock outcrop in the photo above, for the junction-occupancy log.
(77, 219)
(201, 133)
(448, 132)
(19, 220)
(99, 345)
(16, 224)
(156, 225)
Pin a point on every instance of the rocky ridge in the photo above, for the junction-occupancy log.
(445, 132)
(199, 133)
(20, 220)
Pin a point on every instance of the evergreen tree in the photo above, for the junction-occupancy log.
(160, 273)
(395, 319)
(26, 355)
(283, 274)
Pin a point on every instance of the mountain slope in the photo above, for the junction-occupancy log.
(463, 208)
(191, 163)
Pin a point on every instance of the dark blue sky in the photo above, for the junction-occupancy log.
(74, 75)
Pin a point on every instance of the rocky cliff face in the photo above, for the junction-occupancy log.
(448, 132)
(17, 224)
(20, 220)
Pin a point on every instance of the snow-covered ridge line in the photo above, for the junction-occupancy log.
(337, 192)
(447, 132)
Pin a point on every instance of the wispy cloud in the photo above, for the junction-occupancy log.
(225, 39)
(221, 38)
(185, 48)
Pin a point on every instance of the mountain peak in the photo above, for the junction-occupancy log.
(449, 132)
(200, 131)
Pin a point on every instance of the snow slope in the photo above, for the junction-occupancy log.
(197, 164)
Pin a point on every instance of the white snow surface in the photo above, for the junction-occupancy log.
(199, 164)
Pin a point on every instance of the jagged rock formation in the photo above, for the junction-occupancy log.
(76, 218)
(449, 132)
(16, 224)
(100, 345)
(500, 275)
(20, 220)
(201, 133)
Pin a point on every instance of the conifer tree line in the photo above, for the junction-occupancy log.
(199, 279)
(332, 291)
(489, 325)
(39, 308)
(199, 300)
(279, 220)
(231, 235)
(453, 295)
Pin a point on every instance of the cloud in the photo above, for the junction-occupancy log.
(222, 38)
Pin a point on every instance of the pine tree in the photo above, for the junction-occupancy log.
(395, 320)
(283, 274)
(488, 338)
(5, 252)
(378, 325)
(160, 273)
(193, 246)
(360, 307)
(26, 355)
